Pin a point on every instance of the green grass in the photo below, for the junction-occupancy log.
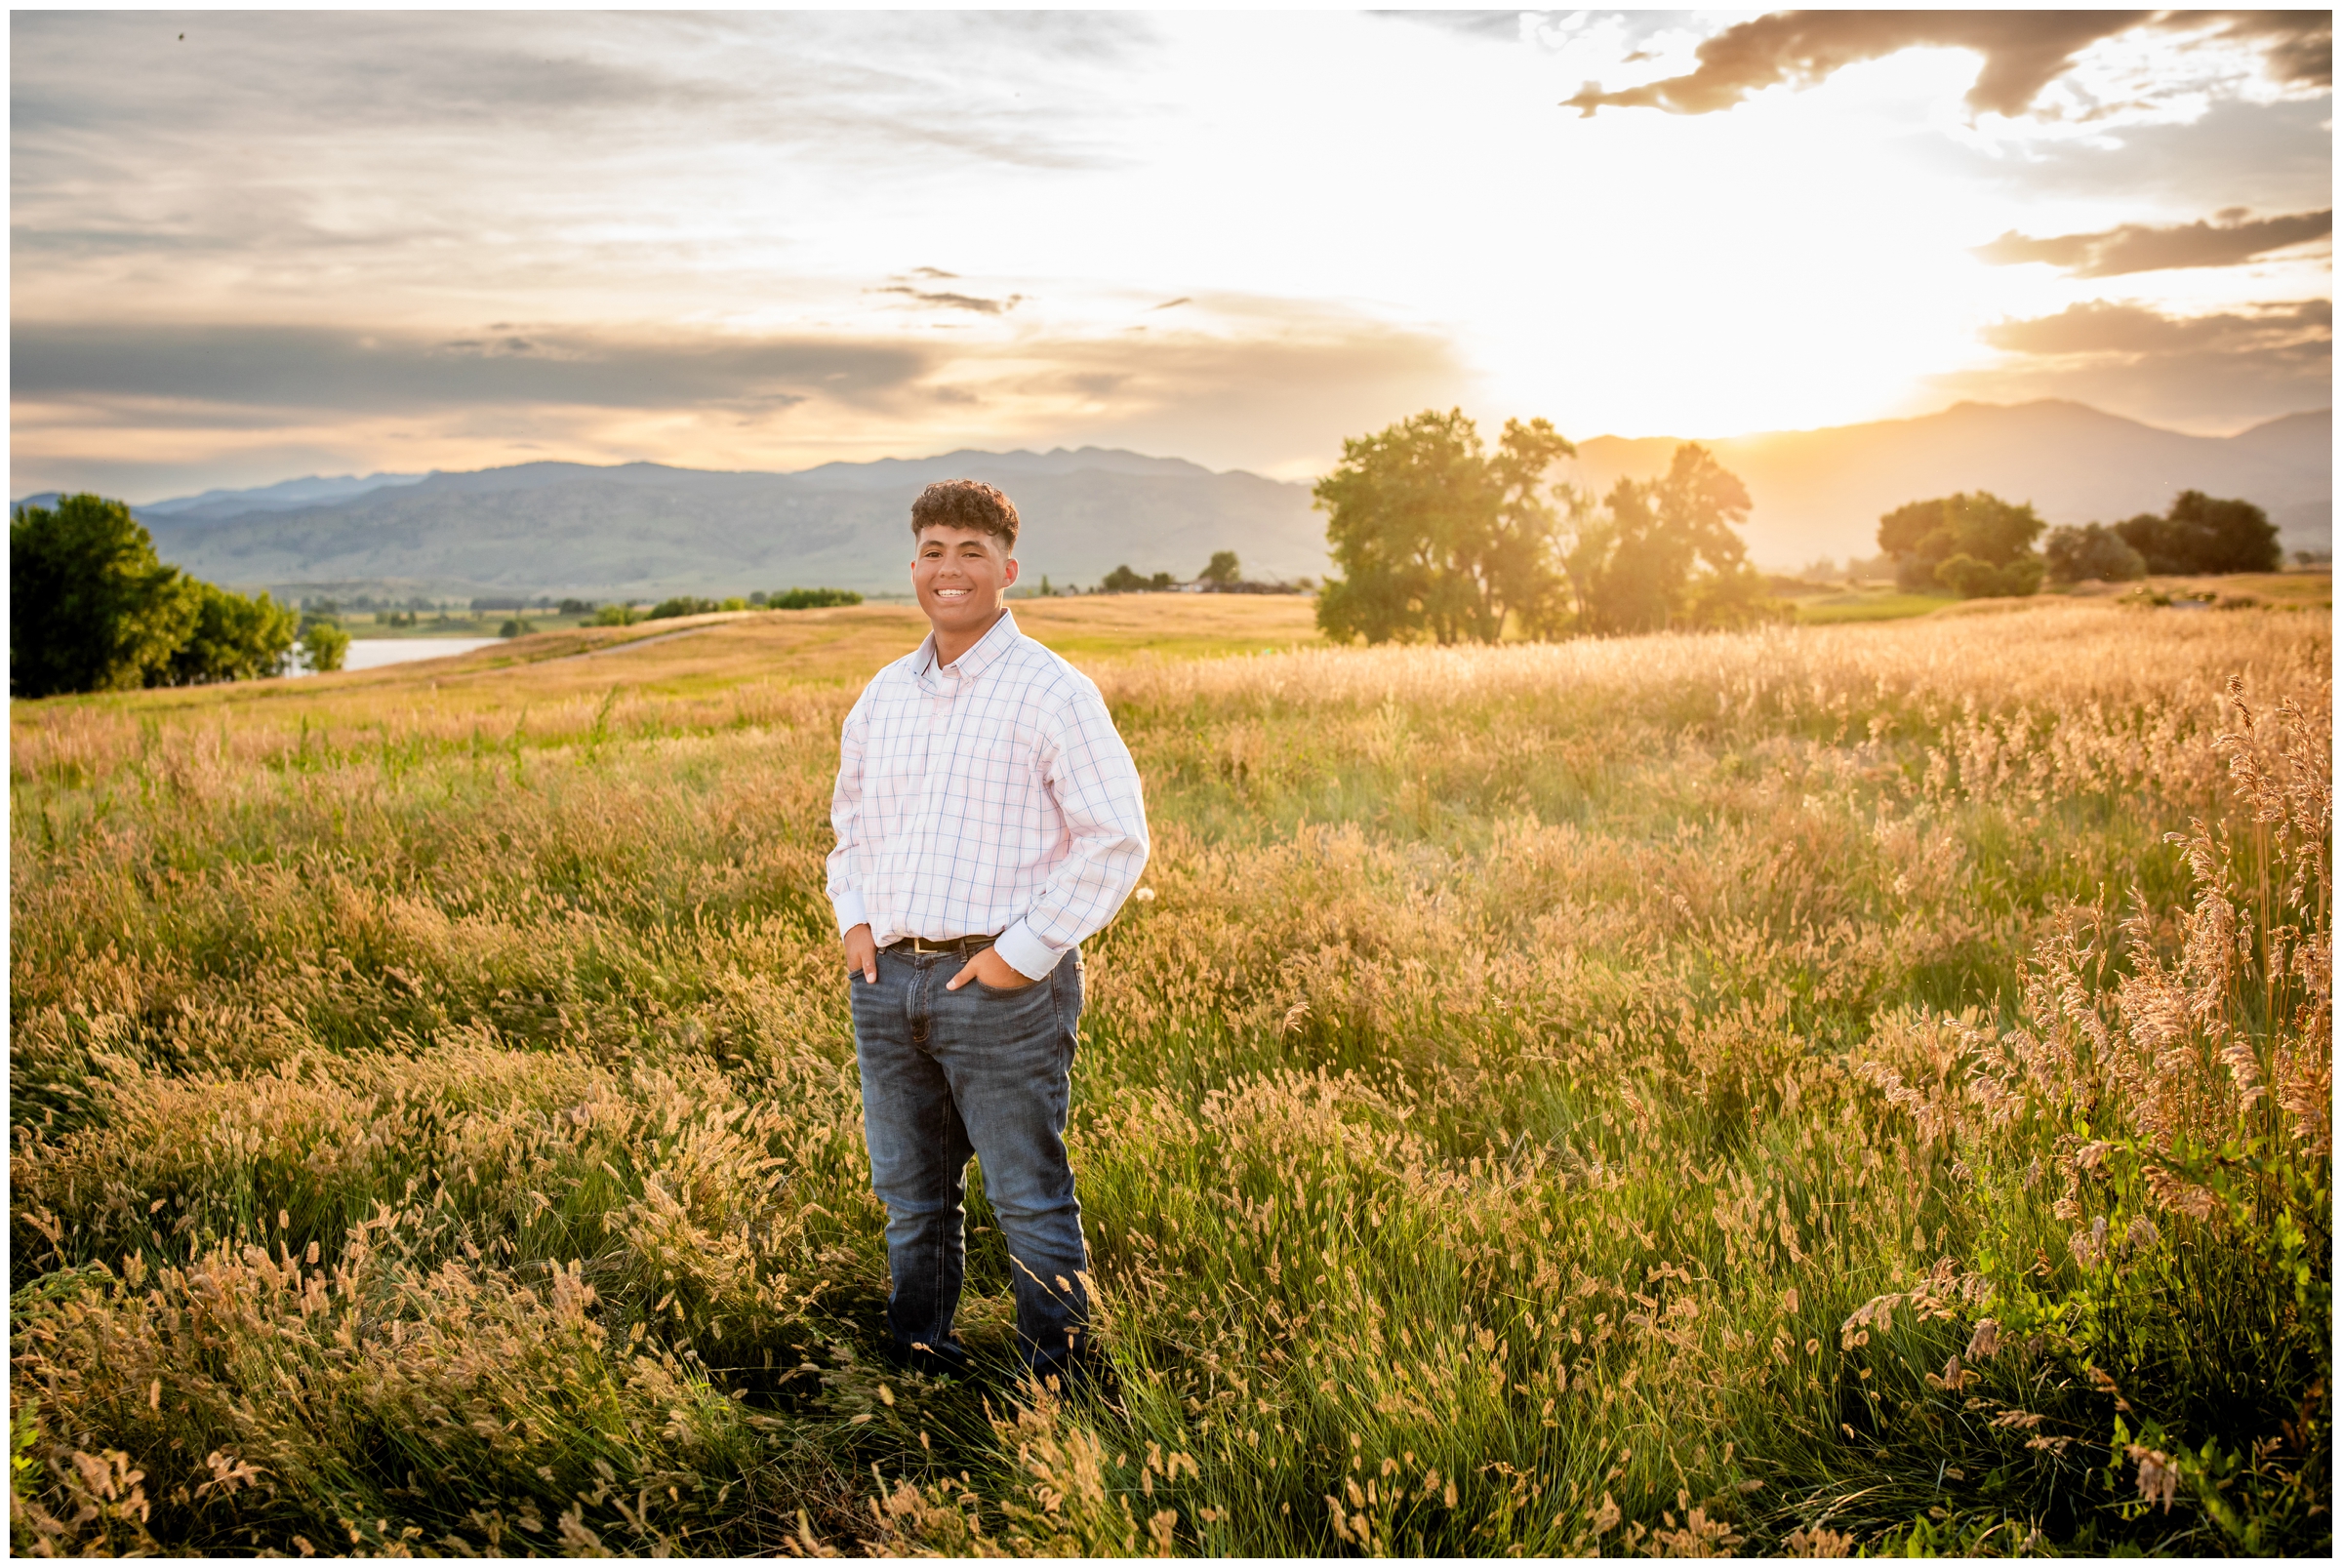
(1556, 1099)
(1868, 604)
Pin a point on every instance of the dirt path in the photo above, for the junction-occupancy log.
(624, 647)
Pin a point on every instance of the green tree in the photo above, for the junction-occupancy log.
(324, 644)
(2093, 552)
(2201, 535)
(1123, 580)
(811, 599)
(233, 638)
(1221, 569)
(1437, 539)
(91, 607)
(1668, 552)
(1978, 545)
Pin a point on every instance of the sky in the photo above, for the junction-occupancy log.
(251, 246)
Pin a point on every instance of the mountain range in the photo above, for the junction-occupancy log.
(1821, 491)
(644, 529)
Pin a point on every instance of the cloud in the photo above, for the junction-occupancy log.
(2135, 331)
(2142, 248)
(147, 410)
(2269, 157)
(316, 368)
(2024, 52)
(2214, 373)
(944, 300)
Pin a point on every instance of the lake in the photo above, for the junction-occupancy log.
(373, 653)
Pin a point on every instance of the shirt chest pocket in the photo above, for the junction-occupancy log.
(990, 760)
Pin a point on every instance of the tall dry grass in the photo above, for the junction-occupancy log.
(1859, 1087)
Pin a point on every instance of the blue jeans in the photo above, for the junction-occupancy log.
(982, 1071)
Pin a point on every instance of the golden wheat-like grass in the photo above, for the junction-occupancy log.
(1790, 1091)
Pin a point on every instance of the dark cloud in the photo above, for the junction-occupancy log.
(944, 299)
(2135, 331)
(2209, 372)
(2142, 248)
(2024, 51)
(163, 410)
(317, 370)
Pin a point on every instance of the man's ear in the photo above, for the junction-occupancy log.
(1008, 574)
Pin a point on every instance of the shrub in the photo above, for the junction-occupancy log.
(1972, 579)
(323, 644)
(234, 639)
(2095, 552)
(812, 600)
(1924, 537)
(614, 614)
(683, 604)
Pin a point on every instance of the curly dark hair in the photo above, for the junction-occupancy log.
(969, 504)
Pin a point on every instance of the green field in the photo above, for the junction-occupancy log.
(1778, 1092)
(1867, 604)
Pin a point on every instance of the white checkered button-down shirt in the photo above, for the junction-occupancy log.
(991, 796)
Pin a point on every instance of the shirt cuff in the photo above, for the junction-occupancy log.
(850, 910)
(1025, 952)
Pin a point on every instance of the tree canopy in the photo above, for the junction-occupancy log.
(1435, 536)
(1635, 566)
(1977, 544)
(2094, 552)
(2202, 536)
(234, 639)
(93, 609)
(1439, 539)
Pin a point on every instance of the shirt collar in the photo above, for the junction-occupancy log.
(988, 647)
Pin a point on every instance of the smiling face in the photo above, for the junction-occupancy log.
(961, 575)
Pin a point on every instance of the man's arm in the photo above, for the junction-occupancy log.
(845, 820)
(1089, 770)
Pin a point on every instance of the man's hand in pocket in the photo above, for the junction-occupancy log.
(989, 967)
(862, 953)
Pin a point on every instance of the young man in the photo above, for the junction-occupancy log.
(988, 818)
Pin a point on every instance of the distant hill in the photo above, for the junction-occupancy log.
(645, 529)
(1821, 491)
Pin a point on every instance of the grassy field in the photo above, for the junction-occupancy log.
(1848, 1087)
(2300, 590)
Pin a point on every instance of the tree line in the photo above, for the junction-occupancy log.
(1222, 573)
(1439, 539)
(92, 608)
(1979, 545)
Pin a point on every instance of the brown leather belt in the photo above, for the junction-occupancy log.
(962, 946)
